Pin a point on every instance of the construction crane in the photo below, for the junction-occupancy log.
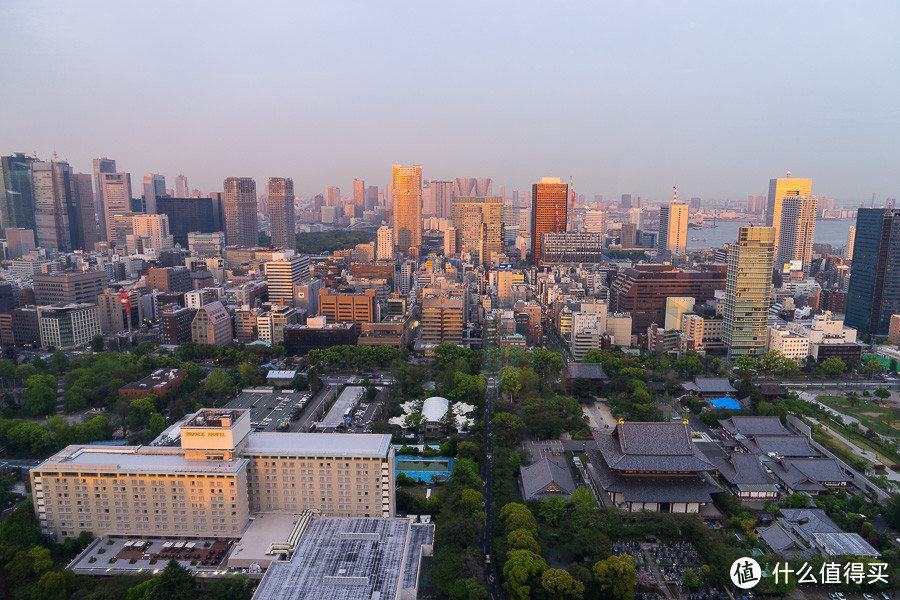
(125, 298)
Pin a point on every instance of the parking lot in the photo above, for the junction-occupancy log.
(267, 408)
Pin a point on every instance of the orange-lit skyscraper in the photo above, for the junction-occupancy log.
(549, 212)
(407, 192)
(359, 197)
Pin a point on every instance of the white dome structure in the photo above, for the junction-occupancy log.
(434, 409)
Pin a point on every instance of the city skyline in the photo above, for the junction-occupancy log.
(703, 114)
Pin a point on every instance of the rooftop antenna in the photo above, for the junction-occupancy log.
(675, 196)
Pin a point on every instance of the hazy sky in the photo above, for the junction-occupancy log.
(627, 97)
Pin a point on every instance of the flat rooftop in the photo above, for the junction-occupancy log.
(158, 377)
(349, 398)
(347, 559)
(135, 459)
(214, 417)
(264, 529)
(151, 555)
(318, 444)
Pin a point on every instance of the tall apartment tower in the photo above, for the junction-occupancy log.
(851, 238)
(154, 187)
(101, 165)
(437, 198)
(625, 201)
(182, 189)
(83, 196)
(549, 212)
(281, 212)
(628, 237)
(53, 206)
(371, 197)
(407, 193)
(779, 189)
(332, 196)
(241, 226)
(673, 222)
(798, 228)
(359, 197)
(16, 197)
(747, 289)
(874, 292)
(281, 276)
(116, 191)
(385, 247)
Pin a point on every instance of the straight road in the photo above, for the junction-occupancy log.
(487, 534)
(313, 411)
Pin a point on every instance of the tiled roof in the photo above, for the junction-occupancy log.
(586, 371)
(538, 476)
(750, 426)
(782, 541)
(807, 474)
(652, 489)
(710, 385)
(744, 469)
(782, 445)
(661, 447)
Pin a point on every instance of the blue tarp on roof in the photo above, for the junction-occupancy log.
(726, 402)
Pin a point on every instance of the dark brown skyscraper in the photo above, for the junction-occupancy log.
(549, 212)
(241, 226)
(281, 212)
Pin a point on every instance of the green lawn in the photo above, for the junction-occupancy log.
(868, 412)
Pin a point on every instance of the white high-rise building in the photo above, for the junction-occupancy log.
(282, 274)
(406, 271)
(798, 227)
(116, 191)
(673, 221)
(154, 187)
(450, 241)
(636, 216)
(155, 228)
(385, 245)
